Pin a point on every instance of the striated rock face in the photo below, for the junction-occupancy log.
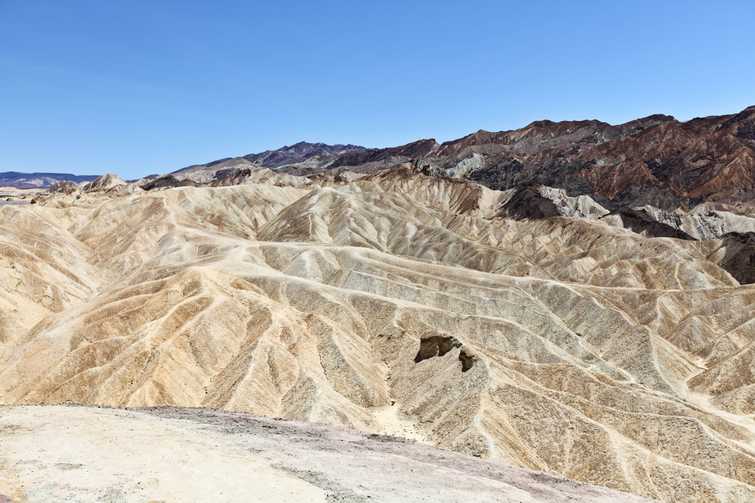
(104, 183)
(380, 158)
(166, 182)
(64, 187)
(397, 303)
(301, 152)
(702, 223)
(729, 234)
(651, 222)
(656, 160)
(544, 202)
(237, 176)
(301, 158)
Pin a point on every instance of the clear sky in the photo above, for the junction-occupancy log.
(139, 87)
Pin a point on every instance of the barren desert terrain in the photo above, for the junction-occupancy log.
(394, 303)
(109, 455)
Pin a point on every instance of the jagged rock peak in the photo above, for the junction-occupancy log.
(104, 183)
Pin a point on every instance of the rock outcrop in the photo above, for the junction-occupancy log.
(544, 202)
(104, 183)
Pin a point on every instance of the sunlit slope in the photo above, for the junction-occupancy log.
(399, 304)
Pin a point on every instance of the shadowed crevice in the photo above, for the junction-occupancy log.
(438, 345)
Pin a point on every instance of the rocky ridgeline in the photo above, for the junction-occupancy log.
(655, 160)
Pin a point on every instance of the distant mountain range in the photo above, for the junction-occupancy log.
(654, 160)
(39, 180)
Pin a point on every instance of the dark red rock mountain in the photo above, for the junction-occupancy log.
(391, 155)
(655, 160)
(300, 152)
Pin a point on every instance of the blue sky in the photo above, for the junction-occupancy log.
(139, 87)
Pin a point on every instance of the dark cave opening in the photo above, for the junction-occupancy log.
(437, 345)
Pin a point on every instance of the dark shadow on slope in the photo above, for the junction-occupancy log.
(438, 345)
(739, 260)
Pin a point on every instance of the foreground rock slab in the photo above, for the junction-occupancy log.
(57, 453)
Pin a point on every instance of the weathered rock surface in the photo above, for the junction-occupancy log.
(104, 183)
(701, 223)
(166, 182)
(655, 161)
(93, 455)
(543, 202)
(397, 303)
(300, 159)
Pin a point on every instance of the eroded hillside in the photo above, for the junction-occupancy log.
(397, 303)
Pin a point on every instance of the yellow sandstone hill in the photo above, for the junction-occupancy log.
(399, 304)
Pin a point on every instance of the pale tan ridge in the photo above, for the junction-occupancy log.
(397, 305)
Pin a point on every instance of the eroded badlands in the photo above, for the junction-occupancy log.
(397, 303)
